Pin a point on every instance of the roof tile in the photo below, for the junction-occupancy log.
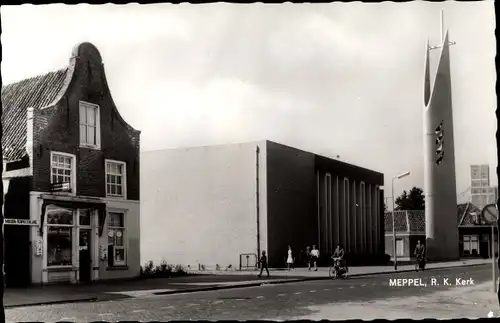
(399, 221)
(472, 212)
(36, 92)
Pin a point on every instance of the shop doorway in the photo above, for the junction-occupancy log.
(85, 256)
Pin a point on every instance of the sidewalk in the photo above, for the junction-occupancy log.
(353, 271)
(197, 281)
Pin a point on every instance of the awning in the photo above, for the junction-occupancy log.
(99, 206)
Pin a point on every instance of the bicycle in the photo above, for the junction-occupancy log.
(337, 270)
(419, 264)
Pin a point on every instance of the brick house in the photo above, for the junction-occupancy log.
(474, 232)
(71, 178)
(409, 228)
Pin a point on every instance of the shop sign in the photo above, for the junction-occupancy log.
(60, 187)
(38, 247)
(20, 222)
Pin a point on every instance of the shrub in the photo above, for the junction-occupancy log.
(164, 270)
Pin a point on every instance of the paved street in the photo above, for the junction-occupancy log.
(356, 297)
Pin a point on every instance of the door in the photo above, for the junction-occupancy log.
(85, 258)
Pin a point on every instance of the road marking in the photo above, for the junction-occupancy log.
(218, 302)
(297, 293)
(312, 291)
(260, 297)
(166, 307)
(68, 318)
(192, 304)
(339, 287)
(363, 285)
(106, 314)
(281, 294)
(137, 311)
(326, 289)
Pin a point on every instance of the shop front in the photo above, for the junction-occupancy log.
(78, 241)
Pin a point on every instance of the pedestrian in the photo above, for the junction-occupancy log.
(289, 259)
(315, 257)
(308, 257)
(420, 255)
(263, 264)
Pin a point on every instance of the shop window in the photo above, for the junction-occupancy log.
(115, 178)
(116, 239)
(59, 236)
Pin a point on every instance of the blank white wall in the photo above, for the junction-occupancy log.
(198, 205)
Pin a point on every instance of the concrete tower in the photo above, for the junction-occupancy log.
(439, 160)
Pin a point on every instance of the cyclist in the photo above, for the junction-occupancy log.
(338, 255)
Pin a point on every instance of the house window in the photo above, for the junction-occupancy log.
(116, 238)
(62, 169)
(471, 245)
(400, 251)
(89, 125)
(115, 178)
(59, 236)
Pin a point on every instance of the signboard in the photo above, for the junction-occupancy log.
(20, 222)
(490, 213)
(60, 187)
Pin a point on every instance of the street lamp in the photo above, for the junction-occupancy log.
(393, 221)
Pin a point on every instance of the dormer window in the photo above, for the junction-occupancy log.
(90, 129)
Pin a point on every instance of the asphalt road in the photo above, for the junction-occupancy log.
(282, 301)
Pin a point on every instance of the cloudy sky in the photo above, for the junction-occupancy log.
(335, 79)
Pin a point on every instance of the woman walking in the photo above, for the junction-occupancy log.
(289, 260)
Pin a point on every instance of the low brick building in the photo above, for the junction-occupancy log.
(474, 232)
(409, 229)
(71, 177)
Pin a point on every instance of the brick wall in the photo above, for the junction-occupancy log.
(57, 129)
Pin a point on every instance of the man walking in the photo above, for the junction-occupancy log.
(263, 264)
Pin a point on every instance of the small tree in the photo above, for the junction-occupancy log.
(413, 200)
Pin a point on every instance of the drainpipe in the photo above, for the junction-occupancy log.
(257, 204)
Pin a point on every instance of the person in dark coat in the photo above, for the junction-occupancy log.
(420, 255)
(263, 264)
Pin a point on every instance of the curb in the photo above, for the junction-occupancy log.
(295, 280)
(67, 301)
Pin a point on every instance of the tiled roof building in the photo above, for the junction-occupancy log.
(412, 220)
